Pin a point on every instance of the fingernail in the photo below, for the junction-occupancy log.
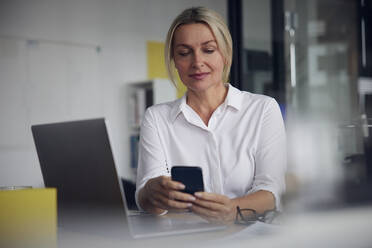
(189, 204)
(181, 186)
(198, 194)
(191, 198)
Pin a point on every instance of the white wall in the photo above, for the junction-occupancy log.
(59, 75)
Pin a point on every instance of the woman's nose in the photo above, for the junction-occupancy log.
(198, 60)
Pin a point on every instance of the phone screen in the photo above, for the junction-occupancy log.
(190, 176)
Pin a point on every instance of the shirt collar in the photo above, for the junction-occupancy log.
(177, 108)
(234, 99)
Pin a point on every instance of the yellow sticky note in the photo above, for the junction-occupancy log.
(155, 60)
(28, 218)
(156, 65)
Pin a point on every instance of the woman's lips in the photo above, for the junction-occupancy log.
(199, 76)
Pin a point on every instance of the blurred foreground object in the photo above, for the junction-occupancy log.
(28, 218)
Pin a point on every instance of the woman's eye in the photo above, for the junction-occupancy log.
(209, 51)
(183, 53)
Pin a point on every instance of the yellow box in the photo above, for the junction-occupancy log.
(28, 218)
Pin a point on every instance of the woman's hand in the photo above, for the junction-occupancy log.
(214, 207)
(161, 193)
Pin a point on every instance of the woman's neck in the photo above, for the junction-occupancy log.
(204, 103)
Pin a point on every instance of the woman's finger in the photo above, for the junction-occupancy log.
(167, 183)
(204, 212)
(158, 204)
(212, 197)
(174, 204)
(165, 194)
(214, 206)
(172, 195)
(177, 195)
(159, 185)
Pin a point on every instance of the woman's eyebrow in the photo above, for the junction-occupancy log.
(204, 43)
(188, 46)
(183, 45)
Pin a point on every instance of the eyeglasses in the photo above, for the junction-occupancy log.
(248, 216)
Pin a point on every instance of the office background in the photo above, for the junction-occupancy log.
(67, 60)
(70, 60)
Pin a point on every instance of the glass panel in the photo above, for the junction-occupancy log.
(257, 52)
(323, 117)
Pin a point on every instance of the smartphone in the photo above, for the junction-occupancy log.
(190, 176)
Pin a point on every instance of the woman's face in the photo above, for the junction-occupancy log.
(196, 56)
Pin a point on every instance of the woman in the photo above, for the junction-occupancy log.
(237, 137)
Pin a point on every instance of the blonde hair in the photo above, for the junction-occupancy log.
(215, 23)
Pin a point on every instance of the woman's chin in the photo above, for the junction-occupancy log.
(200, 86)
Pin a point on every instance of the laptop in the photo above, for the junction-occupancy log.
(76, 158)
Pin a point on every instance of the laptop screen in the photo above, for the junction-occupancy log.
(76, 158)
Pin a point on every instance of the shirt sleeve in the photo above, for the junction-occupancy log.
(151, 158)
(271, 154)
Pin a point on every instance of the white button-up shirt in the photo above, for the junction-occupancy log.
(241, 151)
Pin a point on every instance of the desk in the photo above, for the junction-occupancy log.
(108, 232)
(339, 228)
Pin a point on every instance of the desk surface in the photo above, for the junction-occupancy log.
(338, 228)
(115, 235)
